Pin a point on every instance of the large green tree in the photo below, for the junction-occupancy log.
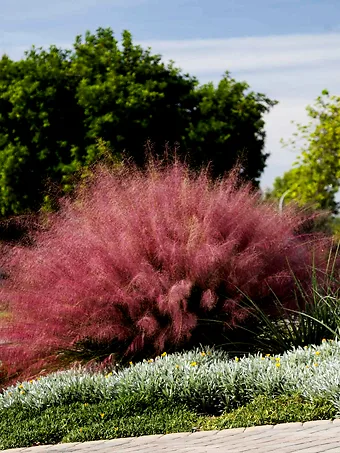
(314, 179)
(55, 105)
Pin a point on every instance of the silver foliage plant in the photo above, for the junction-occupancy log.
(197, 377)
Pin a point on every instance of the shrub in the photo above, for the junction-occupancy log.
(266, 410)
(138, 259)
(205, 381)
(80, 423)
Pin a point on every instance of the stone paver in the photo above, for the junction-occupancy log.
(311, 437)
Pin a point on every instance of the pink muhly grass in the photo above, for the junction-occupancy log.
(138, 257)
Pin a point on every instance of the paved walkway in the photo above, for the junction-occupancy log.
(310, 437)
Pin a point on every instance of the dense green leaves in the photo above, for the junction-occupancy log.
(55, 105)
(80, 422)
(315, 176)
(227, 125)
(40, 127)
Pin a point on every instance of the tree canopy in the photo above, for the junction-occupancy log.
(56, 104)
(315, 177)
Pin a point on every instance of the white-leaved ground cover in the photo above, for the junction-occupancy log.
(196, 377)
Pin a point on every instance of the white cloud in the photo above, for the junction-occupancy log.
(249, 54)
(279, 125)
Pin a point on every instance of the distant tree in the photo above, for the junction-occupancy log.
(227, 125)
(315, 177)
(55, 105)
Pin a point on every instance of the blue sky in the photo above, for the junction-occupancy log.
(287, 49)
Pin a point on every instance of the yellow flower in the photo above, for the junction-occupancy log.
(177, 366)
(108, 375)
(102, 415)
(21, 386)
(277, 364)
(130, 363)
(262, 358)
(316, 364)
(307, 366)
(305, 347)
(164, 354)
(324, 340)
(267, 355)
(193, 363)
(80, 429)
(317, 352)
(22, 392)
(203, 354)
(236, 359)
(277, 359)
(31, 381)
(86, 404)
(150, 360)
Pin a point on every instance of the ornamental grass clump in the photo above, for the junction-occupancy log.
(317, 316)
(137, 260)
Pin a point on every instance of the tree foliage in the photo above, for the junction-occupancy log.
(315, 177)
(56, 104)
